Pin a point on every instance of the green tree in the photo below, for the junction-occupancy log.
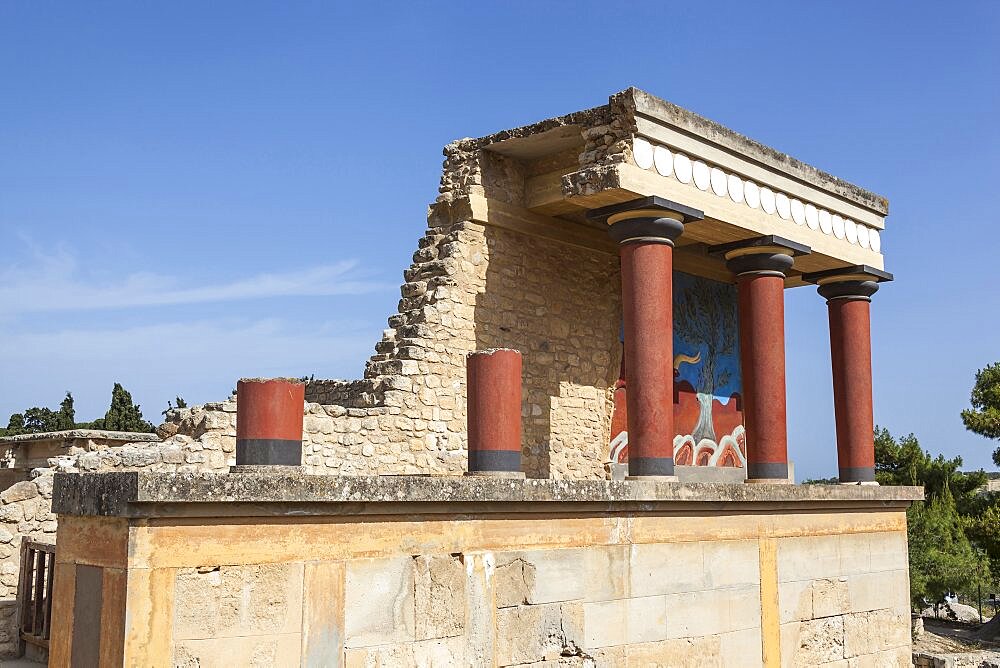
(38, 419)
(942, 558)
(122, 415)
(984, 416)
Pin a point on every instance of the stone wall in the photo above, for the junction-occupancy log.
(430, 571)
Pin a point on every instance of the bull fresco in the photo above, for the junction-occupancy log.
(708, 415)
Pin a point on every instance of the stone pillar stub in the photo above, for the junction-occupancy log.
(269, 419)
(848, 292)
(645, 230)
(494, 412)
(760, 265)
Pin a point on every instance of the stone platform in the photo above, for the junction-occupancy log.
(256, 569)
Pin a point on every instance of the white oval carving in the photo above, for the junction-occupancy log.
(825, 221)
(798, 212)
(783, 205)
(863, 236)
(812, 217)
(702, 177)
(663, 161)
(851, 231)
(682, 167)
(875, 240)
(735, 185)
(751, 193)
(767, 200)
(719, 182)
(838, 226)
(642, 152)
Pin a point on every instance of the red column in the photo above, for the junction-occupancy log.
(762, 362)
(647, 308)
(269, 422)
(645, 230)
(849, 308)
(494, 412)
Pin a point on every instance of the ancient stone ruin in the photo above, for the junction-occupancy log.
(596, 296)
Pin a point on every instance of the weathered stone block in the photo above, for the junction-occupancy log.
(678, 653)
(606, 572)
(439, 597)
(513, 580)
(795, 601)
(872, 632)
(273, 651)
(431, 653)
(530, 633)
(812, 642)
(732, 562)
(872, 591)
(605, 623)
(830, 597)
(741, 648)
(19, 491)
(808, 558)
(666, 568)
(233, 601)
(378, 602)
(646, 619)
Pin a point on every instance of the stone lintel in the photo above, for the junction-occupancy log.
(764, 242)
(92, 434)
(651, 203)
(148, 494)
(858, 272)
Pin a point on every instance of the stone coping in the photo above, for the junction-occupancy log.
(93, 434)
(149, 494)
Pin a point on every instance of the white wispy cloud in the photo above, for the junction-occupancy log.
(199, 360)
(56, 280)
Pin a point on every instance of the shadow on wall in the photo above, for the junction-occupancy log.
(559, 305)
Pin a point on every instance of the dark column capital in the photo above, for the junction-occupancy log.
(857, 282)
(647, 220)
(768, 255)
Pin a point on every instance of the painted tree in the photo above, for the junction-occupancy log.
(984, 416)
(705, 319)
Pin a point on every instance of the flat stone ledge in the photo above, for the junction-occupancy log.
(91, 434)
(145, 494)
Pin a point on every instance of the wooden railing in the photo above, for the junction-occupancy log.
(34, 592)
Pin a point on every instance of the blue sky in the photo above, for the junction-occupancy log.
(194, 192)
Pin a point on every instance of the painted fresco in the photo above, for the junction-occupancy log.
(708, 415)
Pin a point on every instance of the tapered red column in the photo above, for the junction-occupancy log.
(848, 296)
(760, 267)
(645, 231)
(269, 422)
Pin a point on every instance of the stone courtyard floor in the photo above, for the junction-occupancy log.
(952, 643)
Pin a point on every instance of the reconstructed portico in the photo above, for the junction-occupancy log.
(596, 290)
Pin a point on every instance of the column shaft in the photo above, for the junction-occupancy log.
(493, 379)
(647, 305)
(851, 354)
(762, 361)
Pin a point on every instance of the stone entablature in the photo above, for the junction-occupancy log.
(319, 570)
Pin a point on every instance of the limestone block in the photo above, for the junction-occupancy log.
(795, 601)
(559, 575)
(480, 629)
(437, 653)
(528, 633)
(808, 558)
(605, 623)
(513, 580)
(741, 648)
(812, 642)
(19, 491)
(666, 568)
(647, 619)
(439, 597)
(271, 651)
(378, 602)
(322, 613)
(679, 653)
(872, 632)
(871, 591)
(888, 551)
(855, 553)
(229, 601)
(732, 562)
(606, 572)
(830, 597)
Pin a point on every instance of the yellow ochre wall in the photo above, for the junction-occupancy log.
(740, 586)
